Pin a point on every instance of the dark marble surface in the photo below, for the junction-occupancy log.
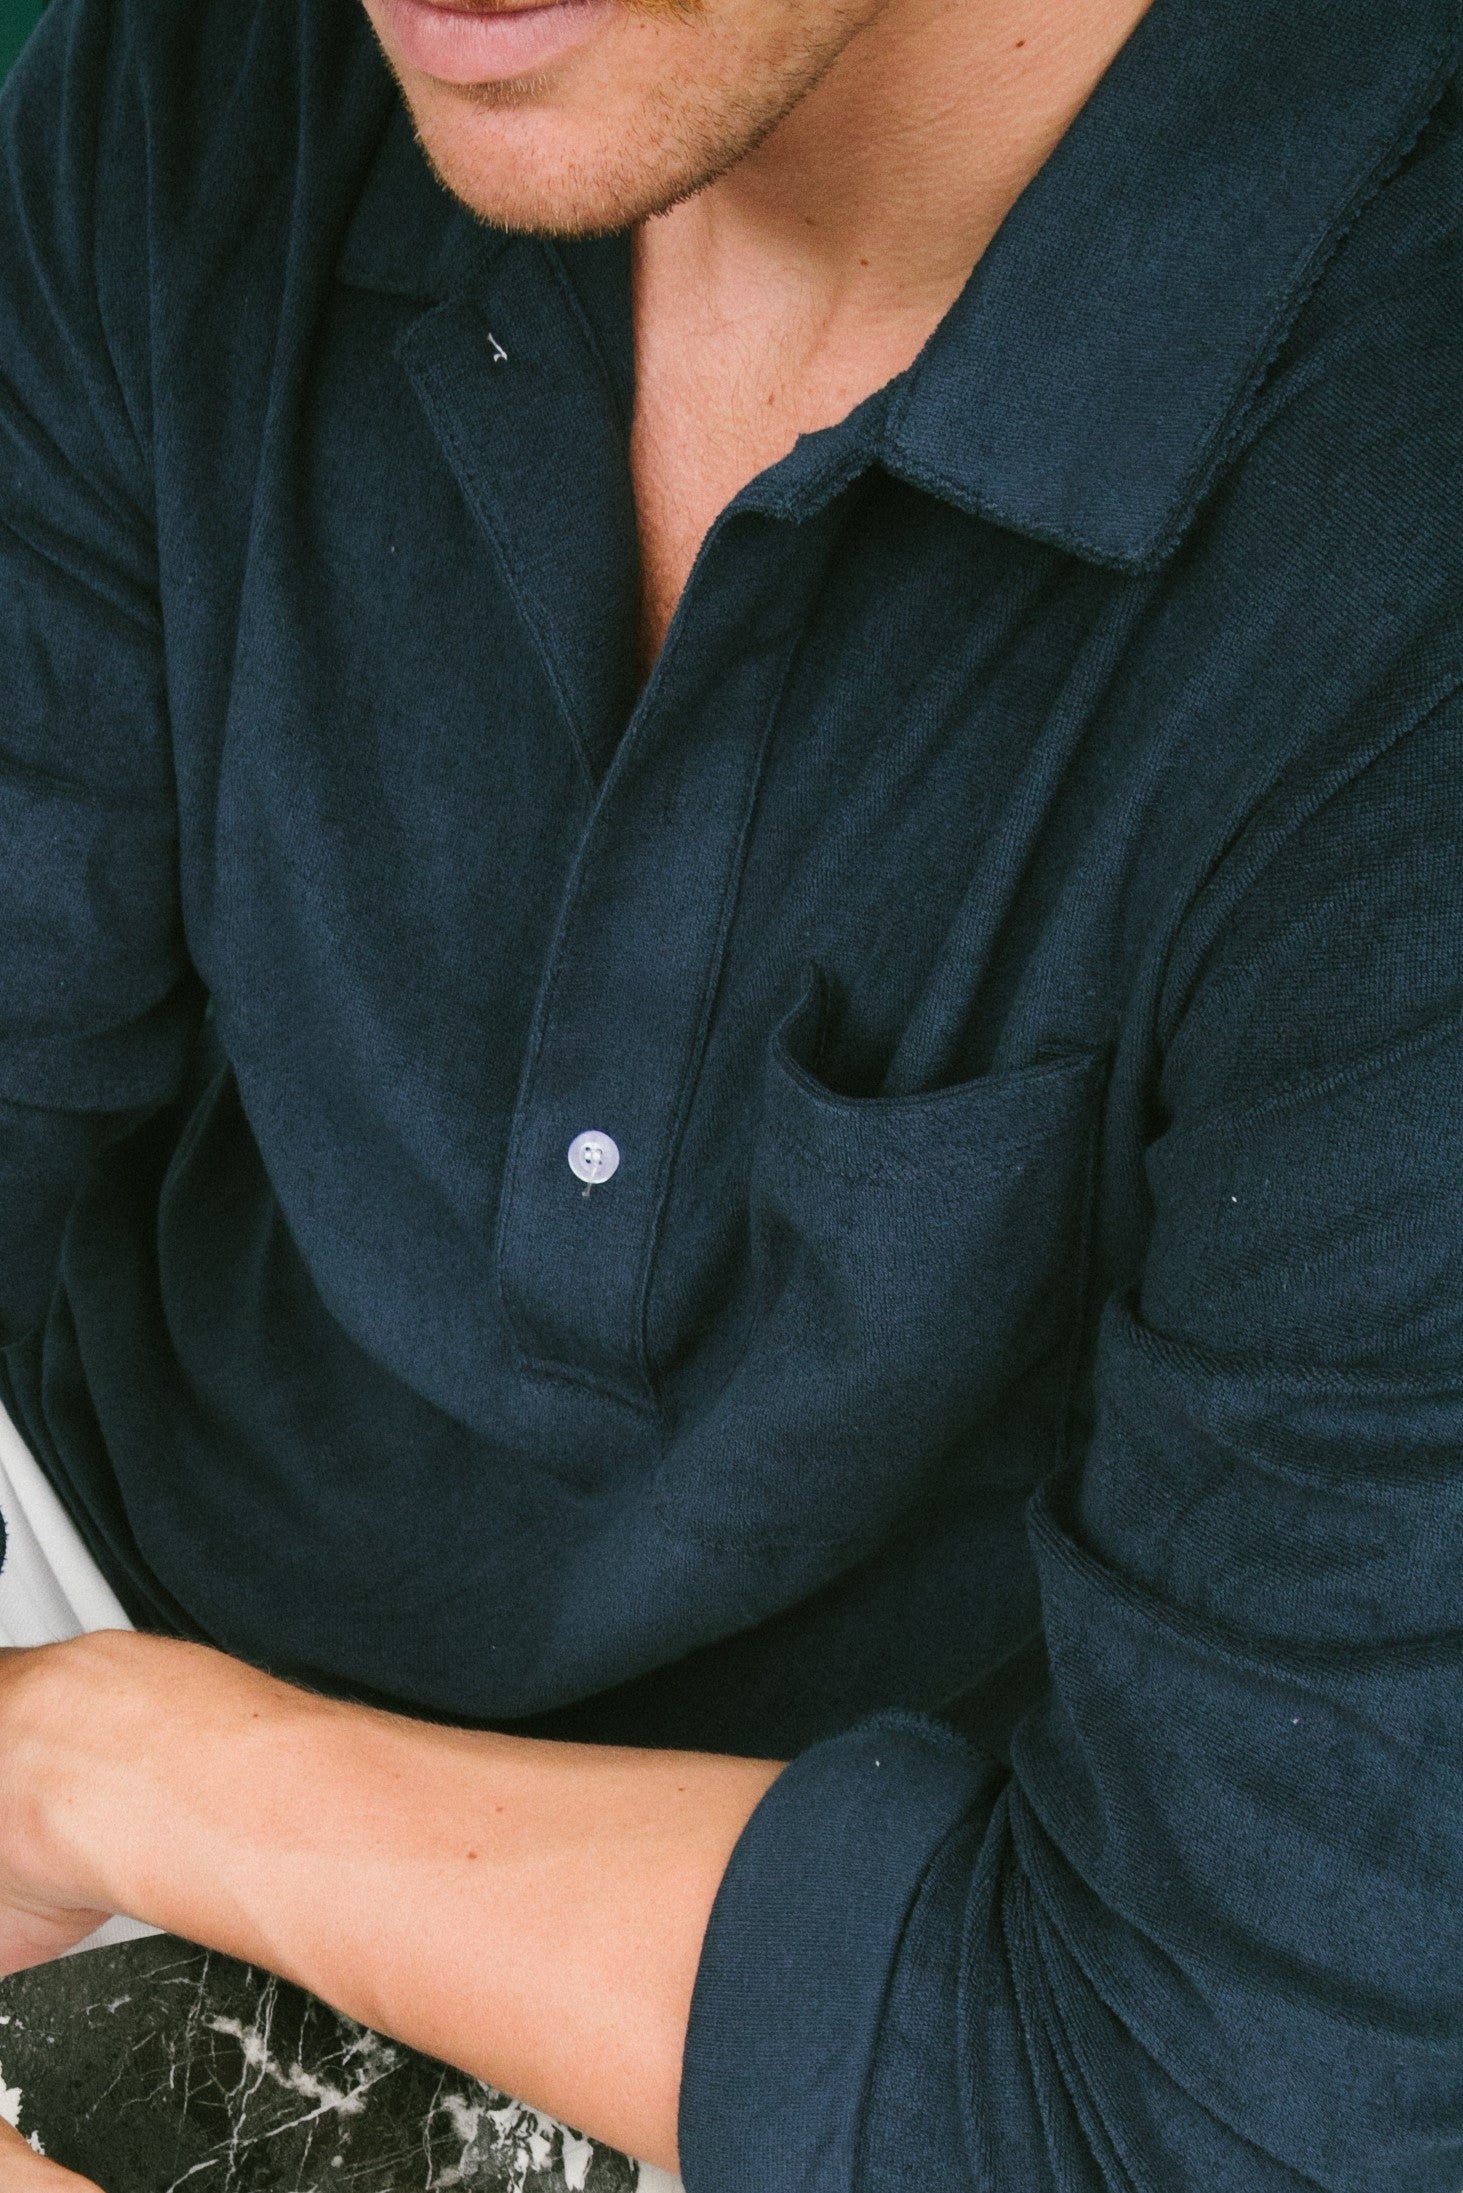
(155, 2065)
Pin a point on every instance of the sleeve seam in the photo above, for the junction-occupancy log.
(1171, 1010)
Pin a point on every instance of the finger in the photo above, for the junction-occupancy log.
(22, 2170)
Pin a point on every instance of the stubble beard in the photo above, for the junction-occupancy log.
(683, 136)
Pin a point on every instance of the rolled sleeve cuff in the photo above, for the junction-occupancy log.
(802, 1940)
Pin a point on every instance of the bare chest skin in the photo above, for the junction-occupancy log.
(680, 485)
(699, 435)
(721, 395)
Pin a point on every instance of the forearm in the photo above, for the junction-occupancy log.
(531, 1912)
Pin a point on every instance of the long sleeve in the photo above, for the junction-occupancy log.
(1203, 1934)
(96, 1002)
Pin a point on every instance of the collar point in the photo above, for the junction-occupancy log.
(1128, 542)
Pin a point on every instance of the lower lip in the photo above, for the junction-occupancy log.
(456, 47)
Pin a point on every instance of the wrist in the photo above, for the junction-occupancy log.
(184, 1788)
(113, 1746)
(69, 1716)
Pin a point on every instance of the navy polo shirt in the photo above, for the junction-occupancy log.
(1015, 941)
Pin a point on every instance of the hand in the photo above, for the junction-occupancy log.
(35, 1924)
(40, 1917)
(22, 2170)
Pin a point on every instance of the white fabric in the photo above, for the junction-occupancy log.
(50, 1589)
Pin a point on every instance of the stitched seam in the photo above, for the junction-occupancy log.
(908, 467)
(588, 330)
(1293, 1382)
(1383, 158)
(1337, 781)
(1334, 1079)
(429, 379)
(731, 891)
(1284, 1658)
(929, 1728)
(551, 1366)
(972, 939)
(513, 1163)
(704, 1014)
(797, 504)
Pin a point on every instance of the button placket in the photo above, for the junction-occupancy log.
(628, 992)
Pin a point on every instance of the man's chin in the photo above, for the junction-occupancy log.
(610, 137)
(511, 155)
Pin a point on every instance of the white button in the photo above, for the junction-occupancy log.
(593, 1157)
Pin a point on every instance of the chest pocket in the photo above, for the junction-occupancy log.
(915, 1270)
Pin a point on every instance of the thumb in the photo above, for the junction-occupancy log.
(22, 2170)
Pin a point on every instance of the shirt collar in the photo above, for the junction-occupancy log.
(1086, 384)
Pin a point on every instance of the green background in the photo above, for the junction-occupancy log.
(17, 20)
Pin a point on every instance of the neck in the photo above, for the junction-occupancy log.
(816, 269)
(885, 184)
